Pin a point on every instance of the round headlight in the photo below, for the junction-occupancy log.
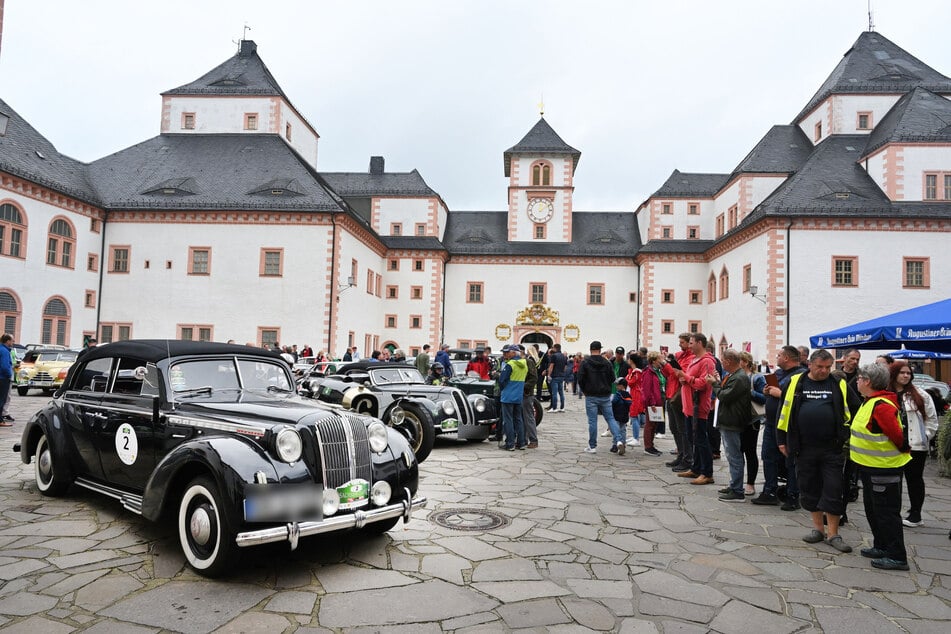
(480, 405)
(448, 408)
(288, 445)
(24, 374)
(397, 415)
(380, 493)
(331, 502)
(376, 435)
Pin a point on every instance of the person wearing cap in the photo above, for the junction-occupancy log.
(596, 379)
(443, 357)
(512, 387)
(479, 364)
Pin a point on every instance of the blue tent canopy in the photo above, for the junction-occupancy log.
(919, 354)
(926, 328)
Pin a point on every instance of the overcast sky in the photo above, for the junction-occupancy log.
(445, 87)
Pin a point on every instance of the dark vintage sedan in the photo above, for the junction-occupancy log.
(399, 395)
(214, 436)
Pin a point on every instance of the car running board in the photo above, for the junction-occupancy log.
(129, 501)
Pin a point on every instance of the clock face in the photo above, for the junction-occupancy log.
(540, 209)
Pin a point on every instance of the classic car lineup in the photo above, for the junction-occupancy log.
(398, 394)
(214, 437)
(43, 369)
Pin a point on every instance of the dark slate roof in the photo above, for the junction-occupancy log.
(876, 65)
(415, 243)
(243, 74)
(364, 185)
(677, 246)
(921, 115)
(541, 139)
(210, 171)
(594, 234)
(831, 182)
(782, 150)
(26, 153)
(681, 184)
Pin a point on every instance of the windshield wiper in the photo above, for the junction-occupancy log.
(205, 389)
(277, 388)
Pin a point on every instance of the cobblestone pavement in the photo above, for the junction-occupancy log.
(595, 542)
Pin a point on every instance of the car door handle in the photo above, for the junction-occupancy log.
(97, 415)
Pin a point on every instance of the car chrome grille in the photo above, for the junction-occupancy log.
(42, 376)
(466, 415)
(344, 450)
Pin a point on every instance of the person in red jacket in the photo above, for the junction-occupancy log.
(650, 388)
(696, 395)
(479, 364)
(675, 410)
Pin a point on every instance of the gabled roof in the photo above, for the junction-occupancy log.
(594, 234)
(782, 150)
(209, 171)
(831, 182)
(874, 64)
(243, 74)
(681, 184)
(363, 185)
(921, 115)
(541, 139)
(26, 153)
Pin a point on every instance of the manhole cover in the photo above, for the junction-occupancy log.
(469, 519)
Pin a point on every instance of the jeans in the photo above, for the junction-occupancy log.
(702, 454)
(557, 387)
(636, 422)
(512, 424)
(594, 405)
(5, 385)
(732, 446)
(881, 493)
(771, 457)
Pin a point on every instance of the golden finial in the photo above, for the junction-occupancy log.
(541, 106)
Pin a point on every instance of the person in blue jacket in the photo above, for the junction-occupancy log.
(512, 386)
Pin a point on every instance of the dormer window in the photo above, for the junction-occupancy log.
(279, 187)
(251, 121)
(188, 121)
(818, 132)
(863, 121)
(287, 132)
(174, 187)
(4, 120)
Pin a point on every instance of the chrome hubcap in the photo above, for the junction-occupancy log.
(46, 464)
(200, 526)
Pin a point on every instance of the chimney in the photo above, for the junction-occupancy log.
(376, 165)
(248, 47)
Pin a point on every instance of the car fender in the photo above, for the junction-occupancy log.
(352, 394)
(42, 423)
(230, 461)
(427, 404)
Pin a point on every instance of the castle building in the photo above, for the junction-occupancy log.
(224, 227)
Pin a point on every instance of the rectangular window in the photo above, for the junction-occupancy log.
(818, 132)
(931, 186)
(416, 292)
(250, 121)
(667, 326)
(16, 239)
(391, 321)
(268, 336)
(693, 209)
(937, 186)
(632, 297)
(199, 260)
(287, 132)
(392, 292)
(188, 120)
(666, 208)
(864, 121)
(92, 262)
(747, 278)
(540, 232)
(353, 273)
(695, 296)
(537, 292)
(420, 228)
(396, 228)
(90, 299)
(415, 321)
(719, 223)
(693, 233)
(667, 296)
(595, 294)
(369, 282)
(378, 288)
(148, 264)
(947, 186)
(51, 249)
(694, 327)
(194, 332)
(480, 343)
(845, 270)
(119, 259)
(465, 344)
(393, 265)
(110, 332)
(917, 272)
(732, 213)
(417, 265)
(666, 232)
(94, 225)
(272, 262)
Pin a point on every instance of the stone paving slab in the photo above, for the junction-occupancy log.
(595, 543)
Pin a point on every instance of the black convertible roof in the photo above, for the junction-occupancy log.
(371, 365)
(157, 349)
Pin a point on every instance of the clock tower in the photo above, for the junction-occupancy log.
(541, 170)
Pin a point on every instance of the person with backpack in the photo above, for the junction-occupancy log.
(621, 403)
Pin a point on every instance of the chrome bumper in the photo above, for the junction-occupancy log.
(358, 519)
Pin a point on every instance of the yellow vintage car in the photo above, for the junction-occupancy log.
(43, 369)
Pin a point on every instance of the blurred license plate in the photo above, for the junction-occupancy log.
(283, 502)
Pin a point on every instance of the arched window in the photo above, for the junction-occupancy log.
(12, 231)
(55, 322)
(712, 289)
(10, 313)
(541, 173)
(724, 283)
(61, 243)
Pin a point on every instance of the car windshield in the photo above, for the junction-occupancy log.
(389, 376)
(66, 356)
(228, 374)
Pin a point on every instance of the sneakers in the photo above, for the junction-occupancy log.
(510, 449)
(732, 496)
(886, 563)
(636, 441)
(873, 553)
(791, 504)
(672, 463)
(605, 433)
(631, 442)
(590, 450)
(8, 418)
(561, 410)
(724, 490)
(652, 451)
(767, 499)
(522, 447)
(621, 448)
(688, 474)
(814, 537)
(702, 479)
(661, 436)
(681, 468)
(613, 448)
(836, 542)
(911, 523)
(749, 490)
(533, 445)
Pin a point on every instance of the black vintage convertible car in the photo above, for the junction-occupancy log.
(214, 436)
(398, 394)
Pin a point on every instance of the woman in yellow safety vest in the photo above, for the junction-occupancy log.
(879, 447)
